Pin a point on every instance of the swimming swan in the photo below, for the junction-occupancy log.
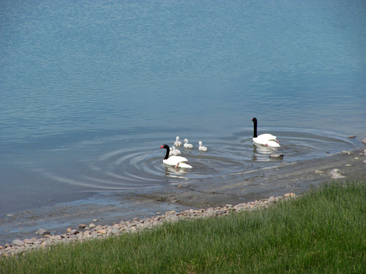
(176, 161)
(174, 151)
(201, 147)
(177, 143)
(264, 139)
(186, 145)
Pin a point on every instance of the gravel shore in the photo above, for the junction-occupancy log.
(92, 231)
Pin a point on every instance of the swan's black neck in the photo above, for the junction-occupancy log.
(167, 151)
(255, 128)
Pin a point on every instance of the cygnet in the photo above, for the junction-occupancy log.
(177, 143)
(186, 145)
(174, 151)
(201, 147)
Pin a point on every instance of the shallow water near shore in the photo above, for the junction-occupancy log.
(89, 91)
(120, 181)
(133, 161)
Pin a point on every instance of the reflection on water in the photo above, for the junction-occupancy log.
(175, 172)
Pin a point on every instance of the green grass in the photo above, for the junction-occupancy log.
(323, 231)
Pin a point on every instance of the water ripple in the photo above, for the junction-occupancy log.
(141, 167)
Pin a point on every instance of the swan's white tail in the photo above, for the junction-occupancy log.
(184, 165)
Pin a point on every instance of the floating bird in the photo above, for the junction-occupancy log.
(177, 143)
(176, 161)
(201, 147)
(186, 145)
(174, 151)
(264, 139)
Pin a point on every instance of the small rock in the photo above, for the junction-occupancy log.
(364, 141)
(351, 136)
(276, 156)
(95, 220)
(319, 172)
(82, 226)
(73, 232)
(102, 231)
(364, 161)
(115, 231)
(291, 195)
(17, 242)
(92, 225)
(9, 215)
(348, 165)
(336, 174)
(42, 232)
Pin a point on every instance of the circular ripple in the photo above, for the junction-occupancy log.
(117, 165)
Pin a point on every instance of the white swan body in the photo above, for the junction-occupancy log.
(186, 145)
(177, 161)
(201, 147)
(264, 139)
(177, 143)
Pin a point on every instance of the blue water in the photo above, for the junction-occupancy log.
(90, 90)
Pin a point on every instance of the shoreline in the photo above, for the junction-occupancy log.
(92, 231)
(254, 188)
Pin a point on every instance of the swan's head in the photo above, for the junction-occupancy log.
(200, 143)
(186, 140)
(177, 138)
(165, 146)
(254, 119)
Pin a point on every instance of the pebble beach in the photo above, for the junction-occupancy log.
(98, 231)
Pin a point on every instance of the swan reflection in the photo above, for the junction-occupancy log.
(174, 172)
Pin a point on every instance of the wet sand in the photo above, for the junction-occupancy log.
(297, 177)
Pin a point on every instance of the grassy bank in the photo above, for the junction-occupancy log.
(321, 232)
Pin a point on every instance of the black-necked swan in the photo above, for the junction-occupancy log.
(177, 161)
(201, 147)
(174, 151)
(177, 143)
(186, 145)
(264, 139)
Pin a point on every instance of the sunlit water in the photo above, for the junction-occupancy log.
(89, 91)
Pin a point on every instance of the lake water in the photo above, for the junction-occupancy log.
(90, 90)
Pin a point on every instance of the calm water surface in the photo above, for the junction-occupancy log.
(90, 90)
